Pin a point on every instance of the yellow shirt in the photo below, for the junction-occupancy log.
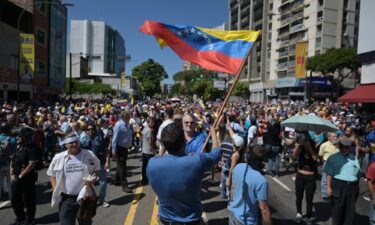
(327, 149)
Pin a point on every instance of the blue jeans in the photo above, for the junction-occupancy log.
(372, 213)
(323, 183)
(233, 220)
(224, 189)
(102, 184)
(273, 159)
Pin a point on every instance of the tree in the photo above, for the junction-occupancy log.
(241, 89)
(149, 75)
(341, 60)
(89, 88)
(193, 82)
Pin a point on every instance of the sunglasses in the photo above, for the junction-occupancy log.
(90, 129)
(188, 122)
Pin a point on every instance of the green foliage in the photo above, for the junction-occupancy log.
(87, 88)
(175, 89)
(334, 60)
(241, 89)
(189, 75)
(150, 74)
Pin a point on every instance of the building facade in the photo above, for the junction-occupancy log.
(102, 45)
(35, 19)
(271, 66)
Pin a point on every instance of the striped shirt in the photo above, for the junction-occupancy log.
(227, 151)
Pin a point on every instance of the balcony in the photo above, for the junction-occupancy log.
(282, 66)
(319, 19)
(291, 72)
(283, 43)
(297, 28)
(283, 54)
(291, 63)
(285, 21)
(297, 5)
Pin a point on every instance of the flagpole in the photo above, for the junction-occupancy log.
(227, 98)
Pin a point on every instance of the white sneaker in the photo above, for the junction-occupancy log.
(367, 198)
(299, 218)
(105, 204)
(3, 204)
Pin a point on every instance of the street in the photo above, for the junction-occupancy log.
(139, 208)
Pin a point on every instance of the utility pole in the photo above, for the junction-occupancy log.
(70, 76)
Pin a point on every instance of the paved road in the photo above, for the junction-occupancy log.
(139, 208)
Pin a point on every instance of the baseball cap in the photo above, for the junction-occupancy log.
(237, 140)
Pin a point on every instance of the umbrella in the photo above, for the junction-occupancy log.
(309, 123)
(175, 99)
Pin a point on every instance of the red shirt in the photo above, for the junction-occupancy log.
(371, 174)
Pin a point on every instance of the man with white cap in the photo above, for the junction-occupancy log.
(67, 172)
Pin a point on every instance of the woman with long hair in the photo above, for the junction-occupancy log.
(306, 177)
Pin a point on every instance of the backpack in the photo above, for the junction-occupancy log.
(370, 137)
(5, 150)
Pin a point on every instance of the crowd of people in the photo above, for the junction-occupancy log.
(78, 139)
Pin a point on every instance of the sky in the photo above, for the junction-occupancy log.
(127, 16)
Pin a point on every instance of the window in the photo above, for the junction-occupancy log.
(40, 37)
(40, 68)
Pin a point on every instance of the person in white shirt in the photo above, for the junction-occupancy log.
(252, 136)
(168, 113)
(67, 172)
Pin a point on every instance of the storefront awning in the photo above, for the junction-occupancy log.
(363, 94)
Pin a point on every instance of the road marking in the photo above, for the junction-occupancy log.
(281, 184)
(134, 204)
(154, 216)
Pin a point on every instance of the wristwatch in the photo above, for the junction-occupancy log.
(20, 176)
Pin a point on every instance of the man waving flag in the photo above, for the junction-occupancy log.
(217, 50)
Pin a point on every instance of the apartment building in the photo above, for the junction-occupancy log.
(271, 67)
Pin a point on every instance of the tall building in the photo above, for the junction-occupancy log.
(271, 67)
(102, 45)
(366, 56)
(38, 20)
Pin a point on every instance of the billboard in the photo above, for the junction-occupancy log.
(27, 57)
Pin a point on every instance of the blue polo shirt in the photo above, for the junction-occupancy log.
(13, 146)
(250, 187)
(176, 180)
(195, 144)
(343, 167)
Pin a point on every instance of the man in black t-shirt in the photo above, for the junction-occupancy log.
(23, 175)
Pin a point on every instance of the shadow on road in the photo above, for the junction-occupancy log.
(284, 222)
(43, 196)
(218, 221)
(48, 219)
(125, 199)
(214, 206)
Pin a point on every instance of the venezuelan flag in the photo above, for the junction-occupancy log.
(199, 105)
(217, 50)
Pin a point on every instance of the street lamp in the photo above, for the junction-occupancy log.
(19, 43)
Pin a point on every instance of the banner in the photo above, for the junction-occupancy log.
(27, 57)
(301, 48)
(123, 80)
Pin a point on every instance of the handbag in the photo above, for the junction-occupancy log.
(87, 209)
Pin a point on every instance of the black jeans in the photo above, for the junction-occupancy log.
(121, 157)
(145, 159)
(24, 196)
(305, 183)
(68, 209)
(344, 198)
